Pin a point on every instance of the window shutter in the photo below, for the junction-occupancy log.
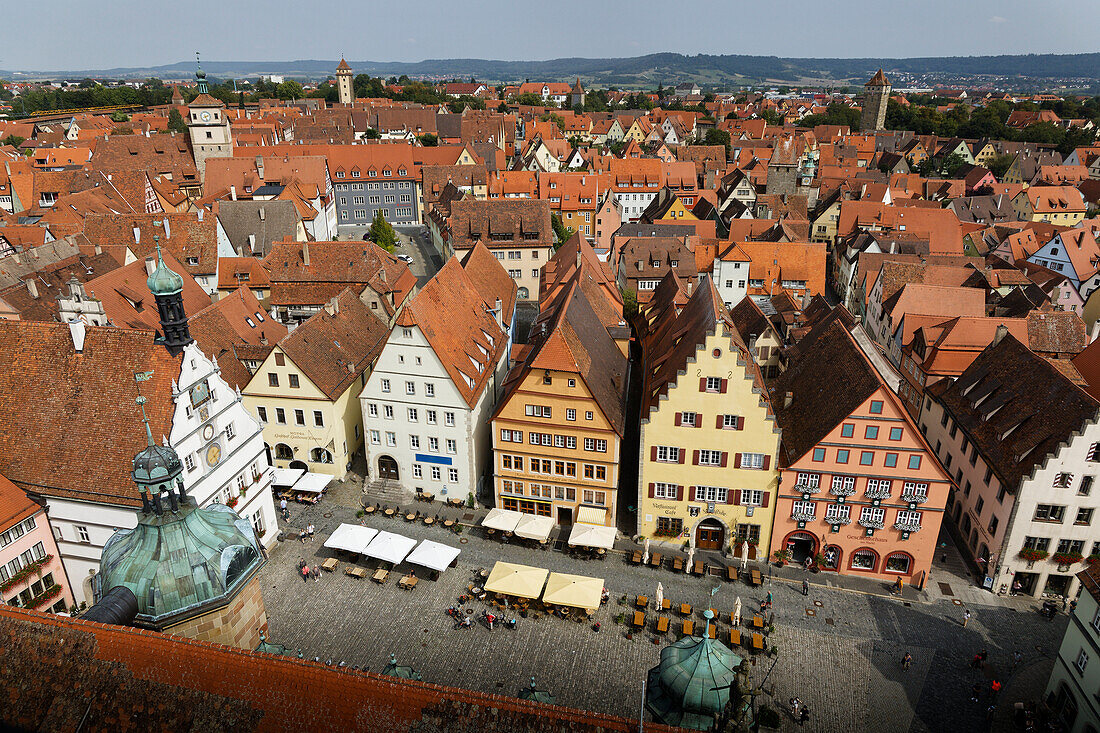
(764, 499)
(736, 460)
(679, 418)
(720, 422)
(652, 490)
(698, 420)
(725, 455)
(702, 384)
(767, 462)
(653, 453)
(723, 388)
(734, 497)
(741, 422)
(679, 493)
(681, 454)
(695, 458)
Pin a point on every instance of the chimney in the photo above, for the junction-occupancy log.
(788, 398)
(137, 235)
(1002, 331)
(98, 250)
(333, 306)
(32, 288)
(500, 313)
(200, 213)
(263, 214)
(305, 253)
(232, 193)
(150, 265)
(167, 229)
(260, 166)
(77, 330)
(251, 243)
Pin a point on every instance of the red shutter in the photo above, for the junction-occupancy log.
(698, 420)
(679, 493)
(764, 500)
(680, 455)
(725, 456)
(736, 459)
(723, 387)
(653, 453)
(678, 418)
(695, 458)
(734, 497)
(652, 490)
(740, 422)
(702, 384)
(767, 462)
(720, 423)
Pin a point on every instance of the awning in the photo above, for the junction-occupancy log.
(433, 555)
(287, 476)
(591, 515)
(504, 520)
(577, 591)
(389, 547)
(532, 527)
(591, 535)
(350, 537)
(521, 581)
(313, 483)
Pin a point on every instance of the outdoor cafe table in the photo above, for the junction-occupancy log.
(685, 609)
(368, 509)
(429, 521)
(655, 560)
(757, 621)
(639, 619)
(641, 602)
(390, 512)
(666, 604)
(448, 523)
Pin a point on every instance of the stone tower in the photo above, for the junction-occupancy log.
(211, 136)
(343, 83)
(875, 97)
(167, 289)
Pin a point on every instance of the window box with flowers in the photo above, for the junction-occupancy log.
(1093, 560)
(25, 572)
(45, 596)
(802, 516)
(907, 526)
(1032, 555)
(871, 523)
(1067, 558)
(233, 501)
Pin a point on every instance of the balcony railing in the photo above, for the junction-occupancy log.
(871, 523)
(916, 497)
(802, 516)
(842, 490)
(907, 526)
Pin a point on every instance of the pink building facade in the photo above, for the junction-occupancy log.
(31, 574)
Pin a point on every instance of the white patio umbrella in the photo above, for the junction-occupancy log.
(645, 552)
(691, 558)
(744, 555)
(737, 611)
(660, 596)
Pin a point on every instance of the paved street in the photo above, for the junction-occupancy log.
(414, 241)
(842, 660)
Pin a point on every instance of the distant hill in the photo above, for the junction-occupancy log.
(715, 70)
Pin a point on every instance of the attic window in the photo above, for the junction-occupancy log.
(401, 172)
(339, 174)
(355, 174)
(249, 321)
(259, 317)
(192, 260)
(372, 174)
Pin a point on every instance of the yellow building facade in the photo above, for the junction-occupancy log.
(708, 438)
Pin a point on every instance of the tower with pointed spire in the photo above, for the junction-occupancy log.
(211, 136)
(343, 83)
(167, 289)
(875, 97)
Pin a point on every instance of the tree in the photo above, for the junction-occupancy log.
(14, 140)
(503, 107)
(562, 232)
(715, 136)
(372, 134)
(951, 165)
(175, 121)
(381, 233)
(119, 116)
(289, 89)
(630, 303)
(428, 140)
(999, 165)
(529, 99)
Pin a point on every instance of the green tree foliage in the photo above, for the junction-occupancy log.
(120, 117)
(464, 101)
(835, 114)
(95, 96)
(14, 140)
(772, 117)
(528, 99)
(428, 139)
(630, 303)
(951, 165)
(381, 233)
(999, 165)
(715, 136)
(372, 134)
(289, 89)
(175, 121)
(562, 232)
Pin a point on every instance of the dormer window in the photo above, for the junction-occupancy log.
(355, 174)
(192, 260)
(339, 174)
(387, 173)
(402, 172)
(372, 174)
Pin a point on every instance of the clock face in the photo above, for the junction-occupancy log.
(205, 116)
(213, 455)
(207, 432)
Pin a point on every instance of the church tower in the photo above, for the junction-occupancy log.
(343, 83)
(167, 289)
(875, 97)
(211, 136)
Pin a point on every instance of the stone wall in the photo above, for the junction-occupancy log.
(236, 624)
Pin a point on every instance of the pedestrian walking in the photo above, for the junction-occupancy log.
(305, 573)
(982, 655)
(975, 691)
(805, 588)
(907, 661)
(301, 564)
(898, 586)
(804, 715)
(966, 617)
(976, 662)
(769, 599)
(282, 504)
(994, 689)
(309, 531)
(989, 712)
(1063, 603)
(1016, 657)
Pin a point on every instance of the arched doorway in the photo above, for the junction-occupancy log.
(710, 534)
(299, 464)
(522, 294)
(802, 545)
(387, 468)
(320, 455)
(283, 452)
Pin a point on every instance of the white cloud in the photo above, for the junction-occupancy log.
(998, 19)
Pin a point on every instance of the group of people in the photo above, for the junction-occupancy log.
(799, 711)
(308, 572)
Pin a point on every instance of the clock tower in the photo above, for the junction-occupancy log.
(211, 136)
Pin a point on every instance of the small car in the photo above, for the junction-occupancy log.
(406, 259)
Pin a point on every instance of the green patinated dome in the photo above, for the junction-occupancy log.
(181, 563)
(156, 468)
(681, 689)
(164, 281)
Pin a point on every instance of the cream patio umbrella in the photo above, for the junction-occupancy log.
(744, 555)
(577, 591)
(645, 552)
(691, 559)
(660, 596)
(737, 611)
(520, 581)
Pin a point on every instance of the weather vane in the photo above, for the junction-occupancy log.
(140, 377)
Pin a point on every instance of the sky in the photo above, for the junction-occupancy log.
(124, 33)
